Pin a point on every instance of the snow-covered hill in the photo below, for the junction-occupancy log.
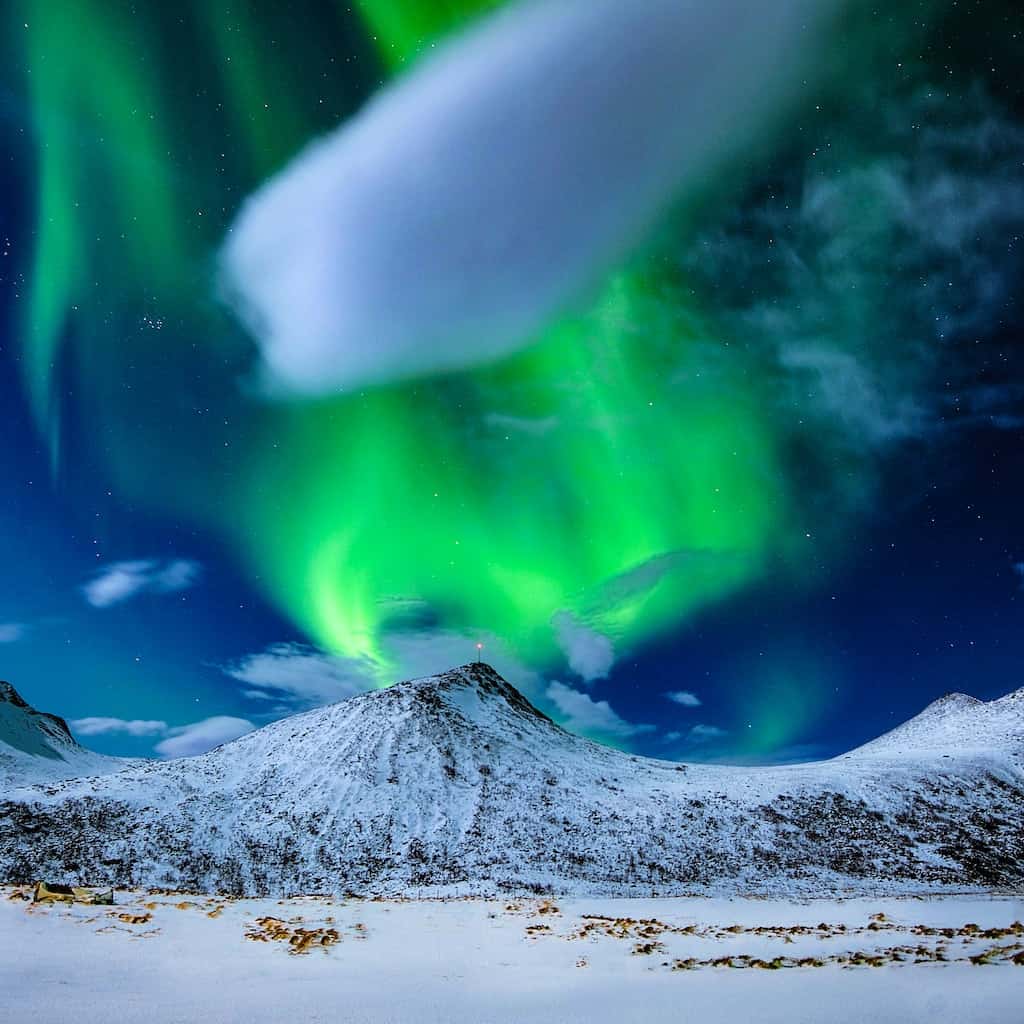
(457, 783)
(37, 747)
(954, 724)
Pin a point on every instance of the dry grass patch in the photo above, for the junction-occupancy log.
(299, 940)
(129, 918)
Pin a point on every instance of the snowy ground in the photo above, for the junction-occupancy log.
(164, 958)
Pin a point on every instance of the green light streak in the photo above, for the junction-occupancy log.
(415, 494)
(780, 699)
(402, 28)
(603, 471)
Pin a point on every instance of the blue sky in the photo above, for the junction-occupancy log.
(864, 269)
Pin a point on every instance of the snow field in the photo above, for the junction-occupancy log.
(166, 958)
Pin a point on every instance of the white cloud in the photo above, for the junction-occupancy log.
(199, 737)
(501, 179)
(121, 581)
(117, 582)
(704, 733)
(302, 675)
(580, 713)
(180, 574)
(11, 631)
(112, 726)
(684, 698)
(590, 653)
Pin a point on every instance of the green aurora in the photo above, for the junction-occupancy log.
(610, 470)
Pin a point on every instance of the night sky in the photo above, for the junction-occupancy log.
(733, 475)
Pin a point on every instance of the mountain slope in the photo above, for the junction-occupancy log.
(457, 781)
(36, 747)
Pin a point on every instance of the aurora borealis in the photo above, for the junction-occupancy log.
(723, 416)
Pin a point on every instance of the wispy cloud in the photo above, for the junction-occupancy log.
(704, 733)
(580, 713)
(177, 741)
(118, 726)
(296, 676)
(12, 631)
(121, 581)
(199, 737)
(520, 424)
(302, 675)
(851, 392)
(684, 698)
(590, 654)
(866, 284)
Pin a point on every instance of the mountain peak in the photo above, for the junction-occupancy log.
(483, 680)
(9, 695)
(953, 723)
(952, 701)
(473, 673)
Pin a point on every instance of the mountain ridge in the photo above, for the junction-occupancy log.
(955, 721)
(36, 746)
(456, 782)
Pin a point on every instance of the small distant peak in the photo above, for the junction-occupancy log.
(1013, 697)
(10, 695)
(952, 701)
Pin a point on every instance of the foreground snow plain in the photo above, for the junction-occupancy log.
(165, 958)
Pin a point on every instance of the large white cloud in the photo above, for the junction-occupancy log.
(492, 186)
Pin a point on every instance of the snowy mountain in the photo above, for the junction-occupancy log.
(37, 747)
(457, 783)
(955, 723)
